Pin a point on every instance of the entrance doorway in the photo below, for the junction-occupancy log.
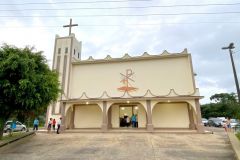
(128, 116)
(118, 113)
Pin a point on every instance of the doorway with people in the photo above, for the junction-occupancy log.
(128, 116)
(125, 115)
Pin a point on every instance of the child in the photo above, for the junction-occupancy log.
(53, 124)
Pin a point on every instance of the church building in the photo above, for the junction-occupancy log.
(147, 92)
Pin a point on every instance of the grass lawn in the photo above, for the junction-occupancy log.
(238, 135)
(14, 136)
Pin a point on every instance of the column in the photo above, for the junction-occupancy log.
(109, 115)
(72, 117)
(199, 126)
(191, 120)
(62, 105)
(149, 116)
(104, 117)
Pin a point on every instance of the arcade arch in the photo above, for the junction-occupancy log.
(119, 112)
(173, 115)
(84, 116)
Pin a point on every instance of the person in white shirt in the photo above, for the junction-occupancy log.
(59, 122)
(49, 125)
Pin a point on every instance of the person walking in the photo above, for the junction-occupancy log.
(35, 124)
(13, 127)
(53, 124)
(49, 125)
(228, 125)
(59, 124)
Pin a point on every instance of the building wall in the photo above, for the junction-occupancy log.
(158, 75)
(142, 117)
(88, 116)
(170, 115)
(115, 116)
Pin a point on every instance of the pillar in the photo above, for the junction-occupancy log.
(72, 117)
(149, 116)
(109, 113)
(191, 120)
(200, 127)
(62, 105)
(104, 117)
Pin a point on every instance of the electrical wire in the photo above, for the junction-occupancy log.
(124, 15)
(129, 7)
(115, 25)
(71, 2)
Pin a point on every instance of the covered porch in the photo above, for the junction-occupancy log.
(175, 114)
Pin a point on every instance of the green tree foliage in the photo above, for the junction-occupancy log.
(26, 82)
(225, 106)
(225, 98)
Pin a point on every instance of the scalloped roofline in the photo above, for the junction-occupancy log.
(127, 57)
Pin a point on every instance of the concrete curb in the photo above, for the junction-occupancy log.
(17, 139)
(126, 131)
(235, 144)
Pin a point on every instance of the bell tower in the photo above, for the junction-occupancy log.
(66, 50)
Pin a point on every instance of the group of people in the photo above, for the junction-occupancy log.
(52, 123)
(126, 121)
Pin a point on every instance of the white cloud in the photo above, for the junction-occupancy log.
(23, 35)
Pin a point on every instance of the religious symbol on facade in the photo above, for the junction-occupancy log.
(126, 79)
(70, 26)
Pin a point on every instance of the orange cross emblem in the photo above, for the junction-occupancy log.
(126, 78)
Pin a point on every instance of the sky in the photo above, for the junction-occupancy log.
(116, 27)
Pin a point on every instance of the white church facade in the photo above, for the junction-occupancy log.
(101, 94)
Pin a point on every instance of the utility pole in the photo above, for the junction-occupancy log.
(230, 47)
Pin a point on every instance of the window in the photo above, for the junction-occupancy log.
(59, 50)
(66, 50)
(74, 51)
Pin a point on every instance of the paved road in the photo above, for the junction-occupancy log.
(123, 146)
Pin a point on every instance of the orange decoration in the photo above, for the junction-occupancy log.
(125, 80)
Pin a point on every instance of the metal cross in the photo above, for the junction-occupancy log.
(70, 26)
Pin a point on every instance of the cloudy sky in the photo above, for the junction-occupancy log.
(116, 27)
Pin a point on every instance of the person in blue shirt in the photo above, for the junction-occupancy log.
(35, 124)
(13, 125)
(133, 119)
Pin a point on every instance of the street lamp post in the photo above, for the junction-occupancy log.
(230, 47)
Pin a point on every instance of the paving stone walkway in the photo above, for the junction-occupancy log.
(122, 146)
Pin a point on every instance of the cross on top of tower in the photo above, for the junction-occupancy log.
(70, 26)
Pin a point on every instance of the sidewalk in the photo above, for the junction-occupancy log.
(235, 144)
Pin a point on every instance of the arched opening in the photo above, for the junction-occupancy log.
(87, 116)
(69, 117)
(120, 115)
(171, 115)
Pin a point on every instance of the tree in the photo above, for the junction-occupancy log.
(225, 105)
(224, 98)
(26, 82)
